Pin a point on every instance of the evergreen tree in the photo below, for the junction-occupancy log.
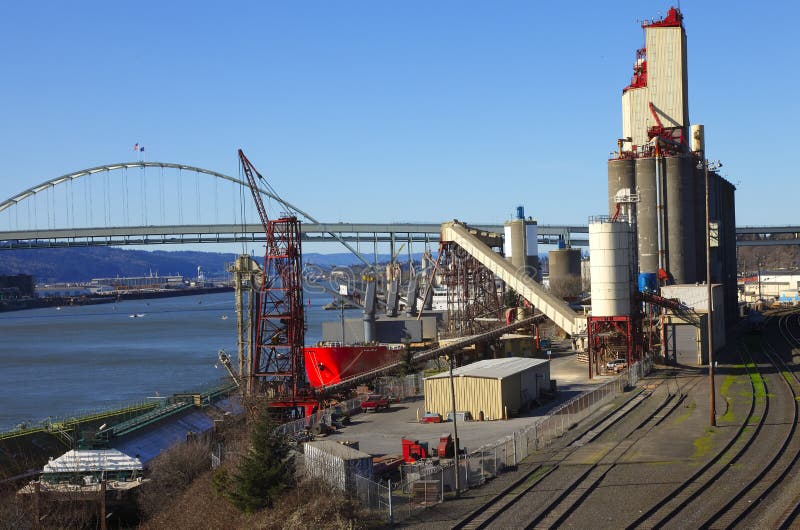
(266, 471)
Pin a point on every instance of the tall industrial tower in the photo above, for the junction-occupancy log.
(658, 96)
(661, 159)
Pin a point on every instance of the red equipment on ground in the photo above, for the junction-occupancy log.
(414, 450)
(446, 446)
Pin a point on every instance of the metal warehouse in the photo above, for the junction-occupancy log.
(492, 388)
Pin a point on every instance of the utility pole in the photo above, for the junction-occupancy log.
(758, 265)
(712, 391)
(455, 424)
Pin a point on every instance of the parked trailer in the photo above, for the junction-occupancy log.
(336, 464)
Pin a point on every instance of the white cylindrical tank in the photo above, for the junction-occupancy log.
(698, 138)
(514, 243)
(507, 241)
(610, 265)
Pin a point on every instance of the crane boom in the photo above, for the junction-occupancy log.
(251, 173)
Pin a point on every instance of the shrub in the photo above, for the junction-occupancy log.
(171, 473)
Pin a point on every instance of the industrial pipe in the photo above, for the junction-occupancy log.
(660, 215)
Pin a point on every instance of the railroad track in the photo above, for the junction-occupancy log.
(721, 478)
(581, 486)
(772, 474)
(772, 488)
(676, 501)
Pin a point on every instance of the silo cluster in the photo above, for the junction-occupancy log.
(660, 159)
(657, 190)
(670, 217)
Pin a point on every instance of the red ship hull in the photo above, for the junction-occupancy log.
(328, 365)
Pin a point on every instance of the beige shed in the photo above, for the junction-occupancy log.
(493, 387)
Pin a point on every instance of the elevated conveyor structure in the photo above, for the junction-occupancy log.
(553, 307)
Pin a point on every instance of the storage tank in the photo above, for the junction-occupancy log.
(698, 138)
(621, 174)
(680, 196)
(646, 213)
(532, 248)
(610, 246)
(565, 272)
(514, 244)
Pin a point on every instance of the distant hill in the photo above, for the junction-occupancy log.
(81, 264)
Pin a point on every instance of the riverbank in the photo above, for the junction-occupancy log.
(139, 294)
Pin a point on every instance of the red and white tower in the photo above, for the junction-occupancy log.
(658, 96)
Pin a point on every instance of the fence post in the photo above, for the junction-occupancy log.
(391, 513)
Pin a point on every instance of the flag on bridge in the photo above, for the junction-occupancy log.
(136, 147)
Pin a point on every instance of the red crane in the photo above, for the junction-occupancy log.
(276, 366)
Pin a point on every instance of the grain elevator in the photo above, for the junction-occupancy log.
(657, 188)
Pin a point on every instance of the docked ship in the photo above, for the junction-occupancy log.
(377, 342)
(329, 363)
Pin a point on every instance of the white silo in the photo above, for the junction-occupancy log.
(610, 247)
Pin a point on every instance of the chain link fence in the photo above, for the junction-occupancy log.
(396, 388)
(303, 425)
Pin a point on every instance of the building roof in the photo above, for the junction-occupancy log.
(336, 449)
(493, 368)
(86, 460)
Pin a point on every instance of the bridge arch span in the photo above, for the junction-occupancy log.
(69, 177)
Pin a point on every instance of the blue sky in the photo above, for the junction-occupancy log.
(391, 111)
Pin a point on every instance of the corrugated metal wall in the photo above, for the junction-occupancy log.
(635, 112)
(474, 394)
(333, 469)
(491, 396)
(666, 82)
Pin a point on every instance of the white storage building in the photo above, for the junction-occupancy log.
(336, 464)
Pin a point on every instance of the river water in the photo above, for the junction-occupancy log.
(60, 363)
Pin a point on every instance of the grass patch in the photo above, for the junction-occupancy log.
(759, 390)
(727, 383)
(724, 389)
(703, 444)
